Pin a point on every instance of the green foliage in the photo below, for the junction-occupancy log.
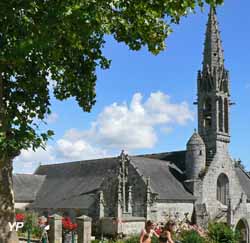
(222, 233)
(63, 41)
(31, 225)
(191, 237)
(96, 241)
(133, 239)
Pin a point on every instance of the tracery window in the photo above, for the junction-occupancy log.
(223, 189)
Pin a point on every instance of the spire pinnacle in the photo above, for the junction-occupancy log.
(213, 53)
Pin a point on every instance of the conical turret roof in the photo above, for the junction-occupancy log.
(195, 139)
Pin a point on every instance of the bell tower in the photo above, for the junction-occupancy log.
(213, 92)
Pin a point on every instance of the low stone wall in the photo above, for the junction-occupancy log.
(132, 226)
(108, 226)
(126, 226)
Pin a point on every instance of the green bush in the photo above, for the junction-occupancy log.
(191, 237)
(133, 239)
(222, 233)
(31, 226)
(96, 241)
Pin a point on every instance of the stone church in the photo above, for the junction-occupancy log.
(201, 182)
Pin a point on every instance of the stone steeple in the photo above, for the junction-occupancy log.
(213, 53)
(213, 92)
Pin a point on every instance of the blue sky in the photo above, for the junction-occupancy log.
(145, 102)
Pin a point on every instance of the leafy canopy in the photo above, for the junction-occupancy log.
(63, 40)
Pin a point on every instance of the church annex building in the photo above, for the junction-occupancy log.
(203, 180)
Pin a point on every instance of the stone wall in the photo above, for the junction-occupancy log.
(136, 180)
(126, 226)
(132, 226)
(222, 163)
(240, 209)
(166, 209)
(109, 189)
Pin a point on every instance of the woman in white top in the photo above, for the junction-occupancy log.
(148, 233)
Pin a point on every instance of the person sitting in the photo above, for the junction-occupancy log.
(148, 232)
(167, 232)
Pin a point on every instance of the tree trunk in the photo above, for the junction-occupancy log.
(7, 205)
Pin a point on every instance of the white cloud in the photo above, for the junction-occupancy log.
(52, 118)
(64, 150)
(119, 126)
(28, 160)
(133, 126)
(80, 149)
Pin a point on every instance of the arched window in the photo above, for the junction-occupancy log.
(220, 115)
(223, 189)
(242, 229)
(207, 113)
(226, 115)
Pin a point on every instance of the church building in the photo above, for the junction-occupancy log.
(201, 182)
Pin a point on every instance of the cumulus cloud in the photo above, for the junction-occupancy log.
(128, 126)
(28, 160)
(64, 150)
(133, 126)
(70, 149)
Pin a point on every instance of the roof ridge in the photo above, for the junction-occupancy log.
(243, 170)
(170, 152)
(78, 161)
(15, 174)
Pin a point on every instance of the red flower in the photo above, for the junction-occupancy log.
(67, 224)
(20, 217)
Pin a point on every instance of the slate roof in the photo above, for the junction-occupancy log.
(165, 178)
(175, 157)
(244, 179)
(26, 186)
(74, 184)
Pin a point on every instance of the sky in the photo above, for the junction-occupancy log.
(145, 102)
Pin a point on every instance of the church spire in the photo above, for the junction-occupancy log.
(213, 53)
(213, 91)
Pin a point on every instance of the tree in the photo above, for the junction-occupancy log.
(63, 40)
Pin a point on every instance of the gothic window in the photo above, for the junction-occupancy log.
(226, 115)
(220, 115)
(223, 189)
(242, 228)
(207, 113)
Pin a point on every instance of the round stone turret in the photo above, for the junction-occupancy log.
(195, 156)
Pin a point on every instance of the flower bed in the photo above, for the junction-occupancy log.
(31, 227)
